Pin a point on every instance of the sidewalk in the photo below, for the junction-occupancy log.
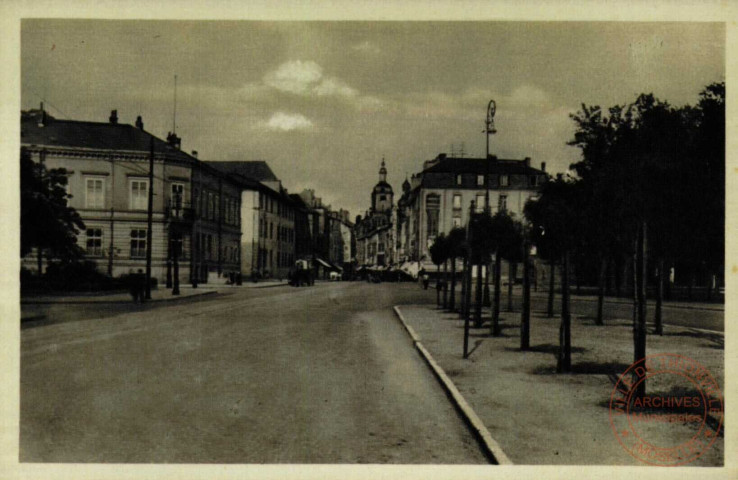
(157, 295)
(621, 300)
(536, 415)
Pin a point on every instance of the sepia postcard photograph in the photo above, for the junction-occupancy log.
(371, 246)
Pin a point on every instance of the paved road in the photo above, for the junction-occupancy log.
(322, 374)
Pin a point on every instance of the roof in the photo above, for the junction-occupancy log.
(93, 136)
(252, 169)
(480, 166)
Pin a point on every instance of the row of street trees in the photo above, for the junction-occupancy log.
(649, 191)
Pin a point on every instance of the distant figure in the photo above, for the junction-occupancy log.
(426, 279)
(138, 286)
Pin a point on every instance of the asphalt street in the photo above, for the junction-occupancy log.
(313, 375)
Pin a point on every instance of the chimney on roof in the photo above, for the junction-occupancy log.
(543, 166)
(194, 153)
(526, 161)
(139, 123)
(174, 140)
(113, 117)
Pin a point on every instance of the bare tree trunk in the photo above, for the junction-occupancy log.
(462, 298)
(496, 304)
(525, 315)
(487, 273)
(608, 276)
(438, 290)
(40, 260)
(479, 299)
(710, 284)
(452, 299)
(445, 284)
(640, 331)
(464, 306)
(658, 325)
(564, 357)
(512, 269)
(552, 272)
(635, 286)
(601, 292)
(467, 298)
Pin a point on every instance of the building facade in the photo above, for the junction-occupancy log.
(438, 198)
(268, 216)
(109, 181)
(376, 244)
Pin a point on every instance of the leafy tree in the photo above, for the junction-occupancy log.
(456, 246)
(506, 239)
(556, 215)
(48, 224)
(439, 254)
(482, 243)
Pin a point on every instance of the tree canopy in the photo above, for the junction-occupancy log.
(47, 221)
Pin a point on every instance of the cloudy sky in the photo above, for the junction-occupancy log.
(323, 102)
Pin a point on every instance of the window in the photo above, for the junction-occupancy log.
(211, 206)
(177, 196)
(138, 243)
(457, 201)
(479, 203)
(504, 180)
(458, 179)
(95, 193)
(139, 194)
(457, 222)
(216, 209)
(94, 242)
(480, 180)
(382, 198)
(502, 205)
(534, 181)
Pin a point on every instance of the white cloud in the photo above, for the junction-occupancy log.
(287, 122)
(295, 76)
(306, 78)
(366, 46)
(334, 86)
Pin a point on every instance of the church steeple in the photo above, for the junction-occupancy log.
(382, 194)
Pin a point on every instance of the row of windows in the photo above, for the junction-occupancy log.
(94, 242)
(479, 202)
(502, 180)
(268, 204)
(267, 230)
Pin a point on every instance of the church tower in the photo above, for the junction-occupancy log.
(382, 194)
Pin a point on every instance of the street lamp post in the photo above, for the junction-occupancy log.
(488, 130)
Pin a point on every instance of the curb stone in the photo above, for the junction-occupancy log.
(491, 448)
(77, 302)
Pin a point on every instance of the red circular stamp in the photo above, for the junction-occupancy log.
(666, 410)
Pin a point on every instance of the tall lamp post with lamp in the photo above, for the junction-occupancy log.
(488, 130)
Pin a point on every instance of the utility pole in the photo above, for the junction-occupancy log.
(150, 220)
(488, 130)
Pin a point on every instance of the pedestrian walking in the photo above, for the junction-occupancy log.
(426, 279)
